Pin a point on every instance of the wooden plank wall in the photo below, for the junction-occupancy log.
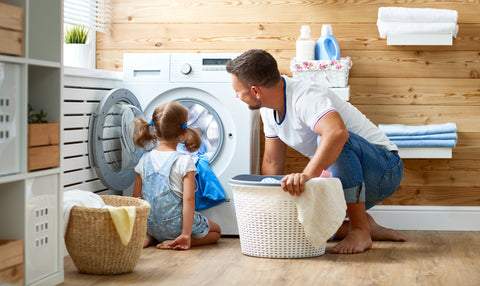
(413, 85)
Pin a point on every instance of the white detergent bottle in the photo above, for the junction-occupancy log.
(305, 45)
(327, 46)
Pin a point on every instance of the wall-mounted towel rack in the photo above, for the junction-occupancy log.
(420, 40)
(425, 153)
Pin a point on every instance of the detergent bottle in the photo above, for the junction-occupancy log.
(305, 45)
(326, 47)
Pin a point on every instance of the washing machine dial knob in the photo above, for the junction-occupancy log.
(186, 68)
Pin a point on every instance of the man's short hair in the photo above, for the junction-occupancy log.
(255, 67)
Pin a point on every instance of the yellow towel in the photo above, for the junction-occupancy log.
(321, 209)
(123, 219)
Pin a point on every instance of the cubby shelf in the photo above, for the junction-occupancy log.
(29, 199)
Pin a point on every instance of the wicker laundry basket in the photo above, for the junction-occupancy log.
(267, 220)
(94, 244)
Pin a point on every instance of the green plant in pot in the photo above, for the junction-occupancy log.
(34, 117)
(76, 51)
(76, 34)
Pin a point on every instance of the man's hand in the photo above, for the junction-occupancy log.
(294, 183)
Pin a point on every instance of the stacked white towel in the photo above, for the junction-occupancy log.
(400, 20)
(433, 135)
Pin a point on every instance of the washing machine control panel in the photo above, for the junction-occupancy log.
(199, 67)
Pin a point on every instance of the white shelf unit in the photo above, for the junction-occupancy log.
(31, 202)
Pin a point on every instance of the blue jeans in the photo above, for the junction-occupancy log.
(368, 173)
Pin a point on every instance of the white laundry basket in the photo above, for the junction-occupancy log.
(267, 220)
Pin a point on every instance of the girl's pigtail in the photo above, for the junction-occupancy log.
(143, 137)
(192, 140)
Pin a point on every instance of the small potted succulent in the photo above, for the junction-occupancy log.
(76, 52)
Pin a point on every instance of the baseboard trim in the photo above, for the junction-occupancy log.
(427, 217)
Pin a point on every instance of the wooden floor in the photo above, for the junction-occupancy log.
(428, 258)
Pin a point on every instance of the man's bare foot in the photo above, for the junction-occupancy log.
(356, 241)
(149, 240)
(378, 232)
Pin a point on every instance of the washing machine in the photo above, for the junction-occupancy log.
(200, 82)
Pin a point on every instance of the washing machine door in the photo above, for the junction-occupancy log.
(112, 152)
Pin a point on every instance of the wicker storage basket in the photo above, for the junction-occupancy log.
(94, 244)
(267, 220)
(331, 73)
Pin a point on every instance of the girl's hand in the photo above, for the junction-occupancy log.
(182, 242)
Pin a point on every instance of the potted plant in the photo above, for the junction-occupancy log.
(43, 141)
(76, 52)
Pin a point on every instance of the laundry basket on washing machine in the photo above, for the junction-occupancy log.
(267, 220)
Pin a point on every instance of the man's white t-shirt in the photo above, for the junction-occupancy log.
(306, 103)
(180, 168)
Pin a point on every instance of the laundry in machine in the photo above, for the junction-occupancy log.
(199, 81)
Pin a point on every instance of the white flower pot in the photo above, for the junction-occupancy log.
(77, 55)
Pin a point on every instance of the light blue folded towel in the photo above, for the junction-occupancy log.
(425, 143)
(441, 136)
(405, 130)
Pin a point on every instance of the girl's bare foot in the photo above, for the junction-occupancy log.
(149, 240)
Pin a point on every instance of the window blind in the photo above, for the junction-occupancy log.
(94, 14)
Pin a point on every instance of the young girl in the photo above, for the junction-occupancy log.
(165, 178)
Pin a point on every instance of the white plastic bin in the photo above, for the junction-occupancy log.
(9, 118)
(267, 220)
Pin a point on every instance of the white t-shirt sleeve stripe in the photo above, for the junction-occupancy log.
(322, 116)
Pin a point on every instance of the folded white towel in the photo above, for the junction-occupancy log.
(395, 28)
(321, 209)
(79, 198)
(402, 14)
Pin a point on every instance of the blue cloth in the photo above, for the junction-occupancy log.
(441, 136)
(433, 135)
(210, 191)
(399, 129)
(368, 173)
(165, 219)
(425, 143)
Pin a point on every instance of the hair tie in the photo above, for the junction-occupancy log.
(184, 126)
(151, 122)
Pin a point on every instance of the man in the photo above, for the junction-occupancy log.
(335, 136)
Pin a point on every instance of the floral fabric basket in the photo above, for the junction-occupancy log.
(332, 73)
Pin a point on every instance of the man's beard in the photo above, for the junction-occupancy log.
(251, 107)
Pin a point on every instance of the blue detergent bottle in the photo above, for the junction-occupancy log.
(326, 47)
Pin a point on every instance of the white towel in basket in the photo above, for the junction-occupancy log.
(321, 209)
(79, 198)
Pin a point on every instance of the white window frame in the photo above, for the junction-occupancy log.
(95, 15)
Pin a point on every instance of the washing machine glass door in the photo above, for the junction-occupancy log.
(112, 152)
(205, 121)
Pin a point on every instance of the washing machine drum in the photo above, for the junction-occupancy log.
(112, 151)
(206, 122)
